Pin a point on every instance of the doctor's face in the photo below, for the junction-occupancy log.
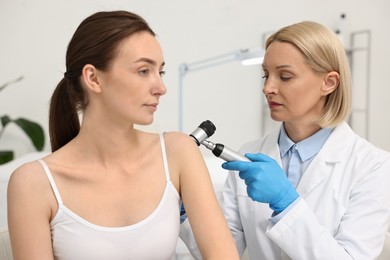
(291, 87)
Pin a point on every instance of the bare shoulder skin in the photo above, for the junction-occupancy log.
(31, 206)
(190, 175)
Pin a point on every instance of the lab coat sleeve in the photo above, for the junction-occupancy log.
(360, 234)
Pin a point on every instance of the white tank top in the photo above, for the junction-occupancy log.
(155, 237)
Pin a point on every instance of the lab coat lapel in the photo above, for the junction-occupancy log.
(323, 164)
(315, 173)
(271, 147)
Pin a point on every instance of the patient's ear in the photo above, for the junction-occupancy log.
(90, 78)
(331, 82)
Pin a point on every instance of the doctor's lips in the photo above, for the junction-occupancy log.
(272, 104)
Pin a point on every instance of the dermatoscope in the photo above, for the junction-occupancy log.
(207, 129)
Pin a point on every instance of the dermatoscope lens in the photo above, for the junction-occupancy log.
(208, 127)
(204, 131)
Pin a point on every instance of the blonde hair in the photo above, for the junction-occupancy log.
(324, 52)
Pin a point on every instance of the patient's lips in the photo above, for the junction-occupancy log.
(152, 106)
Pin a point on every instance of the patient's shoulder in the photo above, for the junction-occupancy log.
(179, 140)
(28, 176)
(181, 146)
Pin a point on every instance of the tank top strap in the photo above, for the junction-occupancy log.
(164, 157)
(51, 180)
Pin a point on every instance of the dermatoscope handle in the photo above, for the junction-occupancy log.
(224, 152)
(207, 129)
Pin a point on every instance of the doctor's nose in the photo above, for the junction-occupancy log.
(269, 87)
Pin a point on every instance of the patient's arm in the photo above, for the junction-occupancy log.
(210, 229)
(29, 212)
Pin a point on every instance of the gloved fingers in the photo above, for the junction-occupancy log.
(236, 165)
(251, 193)
(257, 195)
(258, 157)
(245, 175)
(285, 199)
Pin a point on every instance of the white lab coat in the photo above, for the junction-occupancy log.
(343, 211)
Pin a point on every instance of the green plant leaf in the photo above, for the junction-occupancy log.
(5, 120)
(33, 130)
(6, 156)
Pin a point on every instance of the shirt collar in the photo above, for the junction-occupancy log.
(308, 147)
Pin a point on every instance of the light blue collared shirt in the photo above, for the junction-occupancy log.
(306, 149)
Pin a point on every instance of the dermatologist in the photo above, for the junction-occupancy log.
(314, 188)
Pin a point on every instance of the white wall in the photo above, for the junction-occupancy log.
(35, 34)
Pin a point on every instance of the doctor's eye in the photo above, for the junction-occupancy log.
(285, 78)
(265, 74)
(162, 73)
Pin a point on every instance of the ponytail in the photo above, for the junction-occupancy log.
(64, 122)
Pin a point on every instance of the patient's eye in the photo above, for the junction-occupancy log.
(143, 72)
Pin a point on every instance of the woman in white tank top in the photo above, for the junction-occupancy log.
(108, 190)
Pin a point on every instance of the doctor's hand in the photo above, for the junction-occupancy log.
(183, 213)
(265, 180)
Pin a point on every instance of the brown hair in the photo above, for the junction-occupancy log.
(94, 42)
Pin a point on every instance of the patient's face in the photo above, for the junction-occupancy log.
(132, 87)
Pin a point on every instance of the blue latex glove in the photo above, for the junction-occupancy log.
(183, 213)
(265, 180)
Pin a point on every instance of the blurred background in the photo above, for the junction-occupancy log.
(35, 34)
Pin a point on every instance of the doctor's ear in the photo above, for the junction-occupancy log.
(331, 82)
(90, 78)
